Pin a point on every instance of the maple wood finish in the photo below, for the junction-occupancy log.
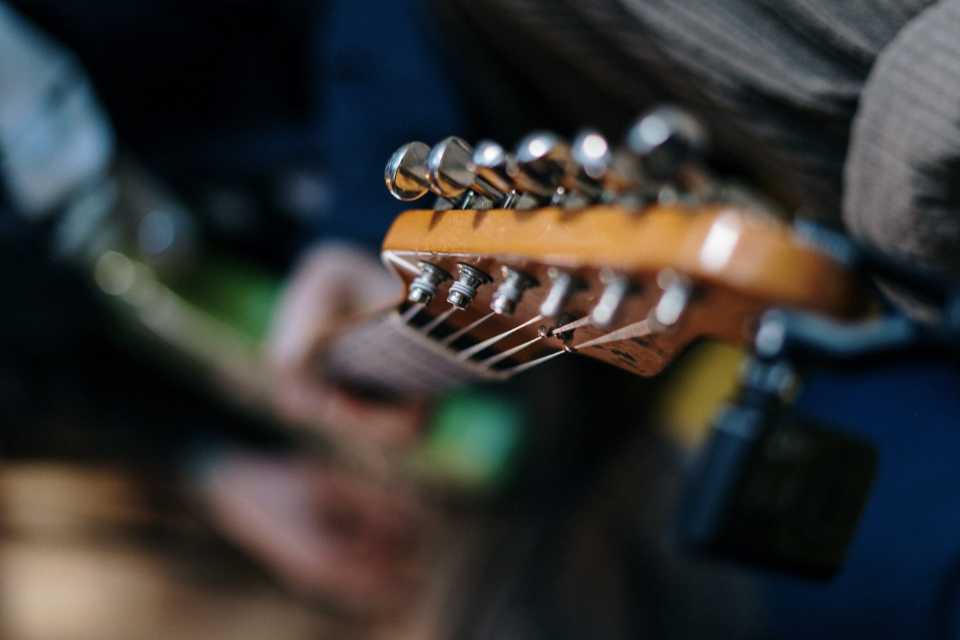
(740, 263)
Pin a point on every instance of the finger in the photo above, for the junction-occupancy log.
(329, 284)
(391, 512)
(311, 402)
(307, 308)
(268, 508)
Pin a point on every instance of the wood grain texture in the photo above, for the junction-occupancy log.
(740, 263)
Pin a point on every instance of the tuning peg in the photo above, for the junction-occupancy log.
(494, 165)
(563, 285)
(424, 286)
(464, 288)
(615, 290)
(406, 174)
(497, 167)
(452, 171)
(665, 140)
(677, 290)
(508, 294)
(598, 171)
(591, 160)
(541, 164)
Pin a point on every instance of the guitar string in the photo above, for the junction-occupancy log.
(570, 326)
(469, 352)
(503, 355)
(411, 313)
(433, 324)
(533, 363)
(450, 339)
(634, 330)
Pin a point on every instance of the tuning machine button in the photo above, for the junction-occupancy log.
(453, 174)
(464, 288)
(615, 290)
(541, 165)
(406, 174)
(424, 286)
(508, 294)
(562, 287)
(665, 140)
(590, 164)
(494, 165)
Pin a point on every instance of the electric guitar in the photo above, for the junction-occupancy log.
(559, 249)
(626, 256)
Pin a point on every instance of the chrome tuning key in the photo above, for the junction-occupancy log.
(464, 288)
(541, 166)
(452, 173)
(615, 290)
(508, 294)
(424, 286)
(677, 290)
(562, 287)
(494, 165)
(600, 172)
(406, 174)
(591, 159)
(665, 140)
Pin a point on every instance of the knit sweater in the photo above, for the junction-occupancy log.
(841, 109)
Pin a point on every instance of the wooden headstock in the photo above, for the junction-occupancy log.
(685, 272)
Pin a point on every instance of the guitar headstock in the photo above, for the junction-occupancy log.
(625, 256)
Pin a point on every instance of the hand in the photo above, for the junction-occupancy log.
(324, 533)
(332, 283)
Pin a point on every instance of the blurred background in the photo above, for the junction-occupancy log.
(170, 169)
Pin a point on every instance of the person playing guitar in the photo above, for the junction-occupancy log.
(844, 112)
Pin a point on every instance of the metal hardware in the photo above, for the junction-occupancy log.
(452, 172)
(615, 290)
(406, 173)
(508, 294)
(591, 159)
(665, 140)
(424, 286)
(677, 290)
(562, 288)
(542, 160)
(494, 165)
(464, 288)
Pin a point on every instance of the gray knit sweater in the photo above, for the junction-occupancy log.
(838, 108)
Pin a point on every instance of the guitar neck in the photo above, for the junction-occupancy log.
(382, 353)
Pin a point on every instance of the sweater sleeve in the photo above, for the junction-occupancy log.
(777, 81)
(902, 180)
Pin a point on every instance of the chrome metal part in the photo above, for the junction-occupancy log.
(453, 174)
(615, 290)
(677, 290)
(665, 140)
(406, 173)
(591, 159)
(563, 285)
(493, 164)
(508, 294)
(541, 165)
(424, 286)
(464, 288)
